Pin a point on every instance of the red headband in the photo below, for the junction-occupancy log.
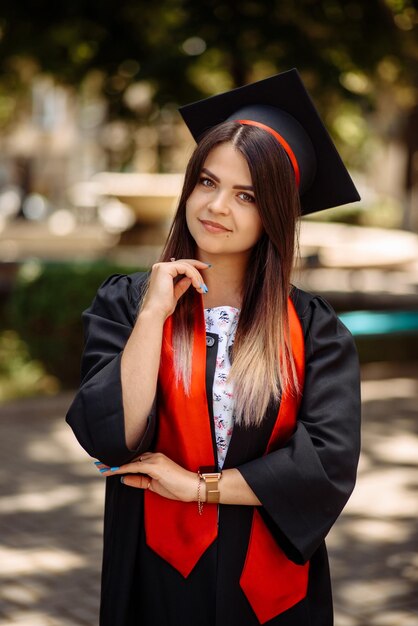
(281, 141)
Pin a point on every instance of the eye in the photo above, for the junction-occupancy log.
(206, 182)
(246, 197)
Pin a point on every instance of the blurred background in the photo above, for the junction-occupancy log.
(92, 151)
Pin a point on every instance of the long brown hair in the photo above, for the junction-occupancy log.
(262, 364)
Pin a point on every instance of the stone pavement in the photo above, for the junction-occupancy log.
(51, 501)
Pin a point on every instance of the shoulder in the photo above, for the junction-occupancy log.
(317, 315)
(302, 301)
(119, 294)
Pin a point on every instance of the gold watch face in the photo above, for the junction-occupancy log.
(211, 476)
(208, 471)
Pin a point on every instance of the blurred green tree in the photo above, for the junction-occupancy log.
(354, 56)
(190, 49)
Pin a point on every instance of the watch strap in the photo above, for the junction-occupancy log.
(211, 480)
(212, 488)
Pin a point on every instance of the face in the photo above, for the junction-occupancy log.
(221, 212)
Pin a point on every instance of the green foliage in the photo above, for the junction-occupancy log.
(20, 375)
(338, 44)
(41, 348)
(45, 310)
(354, 56)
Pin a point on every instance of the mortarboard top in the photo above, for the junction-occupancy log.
(282, 103)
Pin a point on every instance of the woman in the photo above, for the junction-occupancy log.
(221, 402)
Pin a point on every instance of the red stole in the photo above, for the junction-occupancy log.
(175, 530)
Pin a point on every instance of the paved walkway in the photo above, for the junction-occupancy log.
(51, 503)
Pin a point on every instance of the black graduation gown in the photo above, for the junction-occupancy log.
(302, 487)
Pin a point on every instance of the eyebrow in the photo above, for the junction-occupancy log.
(215, 178)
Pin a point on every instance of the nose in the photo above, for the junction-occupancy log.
(219, 203)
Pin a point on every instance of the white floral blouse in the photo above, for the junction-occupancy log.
(222, 321)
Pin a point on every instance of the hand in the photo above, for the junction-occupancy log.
(155, 471)
(164, 291)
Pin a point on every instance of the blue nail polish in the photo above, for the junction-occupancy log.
(97, 463)
(113, 469)
(204, 288)
(209, 264)
(105, 469)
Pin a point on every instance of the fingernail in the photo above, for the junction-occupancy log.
(105, 469)
(204, 288)
(209, 264)
(113, 469)
(122, 480)
(97, 463)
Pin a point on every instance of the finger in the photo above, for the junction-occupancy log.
(181, 287)
(142, 464)
(136, 467)
(183, 267)
(200, 264)
(99, 465)
(143, 482)
(143, 457)
(138, 481)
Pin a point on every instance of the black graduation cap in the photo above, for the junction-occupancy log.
(282, 104)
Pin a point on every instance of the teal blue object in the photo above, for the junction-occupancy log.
(380, 322)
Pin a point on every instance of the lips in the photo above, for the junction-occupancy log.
(214, 226)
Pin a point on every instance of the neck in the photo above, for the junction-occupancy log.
(224, 281)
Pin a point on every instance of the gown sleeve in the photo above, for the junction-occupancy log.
(304, 486)
(96, 413)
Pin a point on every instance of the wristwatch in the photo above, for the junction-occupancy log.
(211, 479)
